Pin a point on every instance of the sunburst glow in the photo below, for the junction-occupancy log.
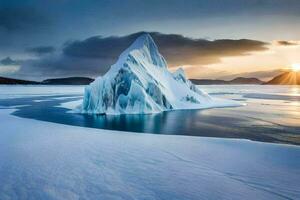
(296, 67)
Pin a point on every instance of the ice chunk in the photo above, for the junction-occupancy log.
(139, 82)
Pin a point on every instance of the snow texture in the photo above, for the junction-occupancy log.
(139, 82)
(42, 160)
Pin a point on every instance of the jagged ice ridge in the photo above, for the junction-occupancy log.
(140, 82)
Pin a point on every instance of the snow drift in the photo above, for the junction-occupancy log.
(139, 82)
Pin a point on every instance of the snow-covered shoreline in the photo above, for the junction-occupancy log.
(41, 160)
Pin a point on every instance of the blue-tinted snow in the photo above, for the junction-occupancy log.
(41, 160)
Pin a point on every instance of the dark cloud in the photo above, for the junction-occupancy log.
(25, 24)
(41, 50)
(53, 66)
(8, 61)
(99, 47)
(93, 56)
(286, 43)
(177, 49)
(34, 22)
(181, 50)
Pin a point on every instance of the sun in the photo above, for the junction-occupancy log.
(296, 67)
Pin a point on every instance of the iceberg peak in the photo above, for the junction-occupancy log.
(145, 48)
(140, 82)
(144, 39)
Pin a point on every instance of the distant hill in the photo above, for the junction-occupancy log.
(238, 80)
(55, 81)
(86, 81)
(208, 82)
(286, 78)
(242, 80)
(11, 81)
(68, 81)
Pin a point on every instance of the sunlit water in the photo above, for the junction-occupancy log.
(271, 113)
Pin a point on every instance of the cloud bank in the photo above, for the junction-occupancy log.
(286, 43)
(9, 62)
(94, 56)
(9, 65)
(40, 50)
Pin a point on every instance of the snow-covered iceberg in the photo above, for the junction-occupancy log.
(140, 82)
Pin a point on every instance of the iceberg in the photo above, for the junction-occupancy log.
(140, 83)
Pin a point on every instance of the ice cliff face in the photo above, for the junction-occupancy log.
(139, 82)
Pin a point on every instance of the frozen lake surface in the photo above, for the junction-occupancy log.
(44, 160)
(271, 113)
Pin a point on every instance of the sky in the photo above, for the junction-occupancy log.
(208, 38)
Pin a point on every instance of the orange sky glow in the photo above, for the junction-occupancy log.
(277, 57)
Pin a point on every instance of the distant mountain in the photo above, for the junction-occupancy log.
(55, 81)
(242, 80)
(238, 80)
(11, 81)
(68, 81)
(286, 78)
(86, 81)
(208, 82)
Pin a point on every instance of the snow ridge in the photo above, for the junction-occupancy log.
(139, 82)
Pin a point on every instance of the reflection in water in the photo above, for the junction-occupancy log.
(294, 91)
(255, 121)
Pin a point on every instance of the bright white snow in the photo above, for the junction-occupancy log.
(41, 160)
(139, 82)
(72, 105)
